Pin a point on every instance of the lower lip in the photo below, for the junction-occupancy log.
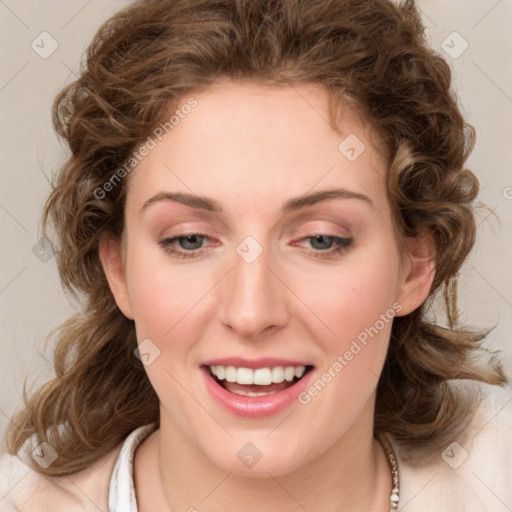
(256, 406)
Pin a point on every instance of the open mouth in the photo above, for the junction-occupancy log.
(257, 382)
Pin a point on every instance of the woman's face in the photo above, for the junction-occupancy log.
(254, 273)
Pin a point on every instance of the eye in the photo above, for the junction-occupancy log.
(189, 244)
(328, 245)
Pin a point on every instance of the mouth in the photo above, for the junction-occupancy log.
(257, 382)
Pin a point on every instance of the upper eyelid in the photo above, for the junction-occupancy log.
(293, 226)
(309, 213)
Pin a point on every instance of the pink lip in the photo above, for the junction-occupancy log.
(263, 362)
(255, 406)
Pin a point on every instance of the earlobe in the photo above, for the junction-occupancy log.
(112, 262)
(417, 273)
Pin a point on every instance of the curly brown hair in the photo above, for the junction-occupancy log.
(144, 61)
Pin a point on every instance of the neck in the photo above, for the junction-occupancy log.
(351, 475)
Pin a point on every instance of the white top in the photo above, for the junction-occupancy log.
(472, 474)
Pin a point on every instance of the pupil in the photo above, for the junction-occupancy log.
(325, 241)
(195, 240)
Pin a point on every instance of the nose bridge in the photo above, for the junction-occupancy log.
(253, 297)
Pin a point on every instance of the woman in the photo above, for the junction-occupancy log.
(262, 198)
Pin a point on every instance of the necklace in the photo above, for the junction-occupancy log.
(394, 498)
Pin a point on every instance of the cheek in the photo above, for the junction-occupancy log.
(349, 298)
(162, 298)
(354, 306)
(361, 318)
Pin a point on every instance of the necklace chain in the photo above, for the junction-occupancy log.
(394, 498)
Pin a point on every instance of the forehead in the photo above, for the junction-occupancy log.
(263, 142)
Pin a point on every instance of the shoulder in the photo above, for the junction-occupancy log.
(23, 489)
(473, 472)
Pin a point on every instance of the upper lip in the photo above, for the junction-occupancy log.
(263, 362)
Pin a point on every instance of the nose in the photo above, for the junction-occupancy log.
(254, 298)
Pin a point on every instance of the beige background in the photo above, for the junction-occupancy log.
(31, 299)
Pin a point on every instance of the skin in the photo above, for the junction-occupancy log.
(252, 147)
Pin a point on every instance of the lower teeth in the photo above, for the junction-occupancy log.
(250, 393)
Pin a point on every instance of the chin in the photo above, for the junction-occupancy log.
(259, 455)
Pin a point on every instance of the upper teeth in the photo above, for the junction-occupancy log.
(260, 376)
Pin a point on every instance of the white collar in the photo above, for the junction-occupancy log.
(121, 493)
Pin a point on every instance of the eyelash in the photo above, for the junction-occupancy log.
(344, 244)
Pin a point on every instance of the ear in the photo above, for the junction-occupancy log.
(110, 252)
(418, 271)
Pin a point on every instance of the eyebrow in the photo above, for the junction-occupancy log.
(295, 203)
